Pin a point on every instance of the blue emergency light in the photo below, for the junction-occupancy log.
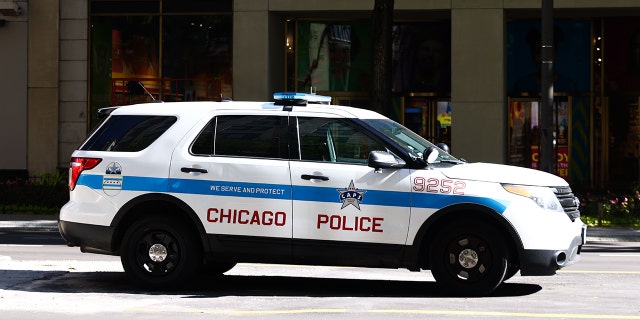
(290, 99)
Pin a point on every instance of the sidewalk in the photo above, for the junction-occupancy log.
(28, 222)
(613, 234)
(18, 222)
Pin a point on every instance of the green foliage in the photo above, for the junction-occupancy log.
(36, 195)
(609, 208)
(631, 222)
(49, 180)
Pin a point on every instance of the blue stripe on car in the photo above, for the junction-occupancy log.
(298, 193)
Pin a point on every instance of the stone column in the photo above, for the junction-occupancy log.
(42, 86)
(251, 42)
(478, 94)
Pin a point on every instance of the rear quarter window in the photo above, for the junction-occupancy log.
(128, 133)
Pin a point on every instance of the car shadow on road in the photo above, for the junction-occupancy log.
(338, 287)
(241, 285)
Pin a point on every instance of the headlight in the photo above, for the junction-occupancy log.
(542, 196)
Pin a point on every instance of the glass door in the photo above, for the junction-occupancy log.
(430, 117)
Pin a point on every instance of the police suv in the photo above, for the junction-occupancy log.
(180, 188)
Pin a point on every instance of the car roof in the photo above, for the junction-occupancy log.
(192, 108)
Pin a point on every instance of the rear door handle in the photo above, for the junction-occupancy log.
(190, 169)
(314, 177)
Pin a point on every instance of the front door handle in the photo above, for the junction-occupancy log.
(190, 170)
(314, 177)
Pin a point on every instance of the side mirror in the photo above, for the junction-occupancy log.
(384, 159)
(430, 155)
(444, 147)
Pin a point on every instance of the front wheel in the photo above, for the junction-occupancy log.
(159, 253)
(469, 258)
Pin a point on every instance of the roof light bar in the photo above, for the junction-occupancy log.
(299, 99)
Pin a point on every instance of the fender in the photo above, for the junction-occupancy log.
(127, 213)
(414, 257)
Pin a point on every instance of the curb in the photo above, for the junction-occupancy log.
(35, 225)
(613, 234)
(29, 222)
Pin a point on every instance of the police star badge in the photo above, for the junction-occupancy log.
(351, 196)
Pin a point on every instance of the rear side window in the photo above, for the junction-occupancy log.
(128, 133)
(256, 136)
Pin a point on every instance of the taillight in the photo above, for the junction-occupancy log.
(76, 167)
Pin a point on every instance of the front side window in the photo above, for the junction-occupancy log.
(128, 133)
(244, 136)
(334, 140)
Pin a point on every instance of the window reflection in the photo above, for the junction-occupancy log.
(139, 54)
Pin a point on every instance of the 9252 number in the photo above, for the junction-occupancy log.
(435, 185)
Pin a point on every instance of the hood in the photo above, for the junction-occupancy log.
(503, 174)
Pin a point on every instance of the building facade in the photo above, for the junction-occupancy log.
(465, 72)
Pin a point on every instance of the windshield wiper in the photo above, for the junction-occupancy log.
(454, 161)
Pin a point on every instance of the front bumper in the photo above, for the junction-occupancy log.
(547, 262)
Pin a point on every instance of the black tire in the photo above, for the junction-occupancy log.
(159, 253)
(468, 258)
(511, 271)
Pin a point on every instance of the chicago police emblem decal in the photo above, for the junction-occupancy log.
(114, 168)
(112, 179)
(351, 196)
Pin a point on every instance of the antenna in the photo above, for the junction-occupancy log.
(147, 92)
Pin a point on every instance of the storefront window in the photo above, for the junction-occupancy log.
(422, 58)
(134, 57)
(572, 81)
(124, 60)
(429, 117)
(196, 57)
(333, 56)
(571, 63)
(621, 99)
(141, 54)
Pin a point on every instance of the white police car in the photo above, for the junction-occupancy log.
(175, 188)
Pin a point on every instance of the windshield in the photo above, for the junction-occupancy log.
(414, 144)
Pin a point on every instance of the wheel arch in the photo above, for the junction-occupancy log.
(417, 258)
(156, 203)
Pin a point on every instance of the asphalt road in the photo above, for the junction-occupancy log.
(41, 278)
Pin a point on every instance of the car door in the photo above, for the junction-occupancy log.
(234, 173)
(346, 212)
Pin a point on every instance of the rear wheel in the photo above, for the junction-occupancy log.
(159, 253)
(469, 258)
